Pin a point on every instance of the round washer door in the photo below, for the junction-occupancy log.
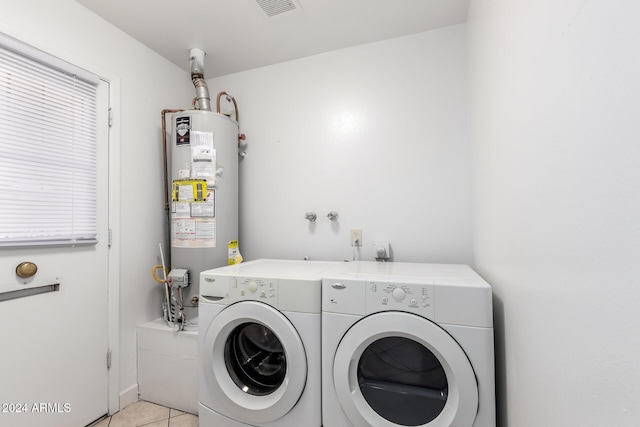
(255, 363)
(400, 369)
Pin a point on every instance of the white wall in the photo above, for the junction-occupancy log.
(377, 133)
(555, 107)
(148, 84)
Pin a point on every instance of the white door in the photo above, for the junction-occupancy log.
(53, 357)
(255, 364)
(398, 369)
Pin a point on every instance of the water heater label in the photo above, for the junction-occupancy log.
(193, 224)
(206, 208)
(203, 156)
(193, 232)
(189, 190)
(183, 130)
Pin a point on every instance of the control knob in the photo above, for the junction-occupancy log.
(398, 294)
(253, 286)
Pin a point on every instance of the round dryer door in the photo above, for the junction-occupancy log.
(400, 369)
(255, 362)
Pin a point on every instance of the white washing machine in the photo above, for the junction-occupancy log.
(407, 344)
(259, 344)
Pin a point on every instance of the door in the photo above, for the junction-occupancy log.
(400, 369)
(54, 344)
(255, 364)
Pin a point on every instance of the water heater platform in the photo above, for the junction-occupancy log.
(168, 366)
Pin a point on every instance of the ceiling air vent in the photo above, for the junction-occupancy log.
(272, 8)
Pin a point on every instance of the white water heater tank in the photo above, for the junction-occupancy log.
(204, 192)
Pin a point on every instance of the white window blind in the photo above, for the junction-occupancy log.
(48, 180)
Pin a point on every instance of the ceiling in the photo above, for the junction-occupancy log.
(238, 35)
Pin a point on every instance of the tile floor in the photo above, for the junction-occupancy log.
(148, 414)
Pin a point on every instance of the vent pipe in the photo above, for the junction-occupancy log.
(202, 101)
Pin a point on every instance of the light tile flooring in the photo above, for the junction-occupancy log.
(148, 414)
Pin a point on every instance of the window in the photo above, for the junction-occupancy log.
(48, 180)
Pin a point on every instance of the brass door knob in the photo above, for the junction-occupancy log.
(26, 269)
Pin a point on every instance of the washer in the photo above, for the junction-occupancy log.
(407, 344)
(259, 344)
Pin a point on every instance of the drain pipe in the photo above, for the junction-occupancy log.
(202, 101)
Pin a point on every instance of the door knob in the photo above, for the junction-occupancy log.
(26, 269)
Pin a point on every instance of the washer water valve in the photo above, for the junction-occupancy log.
(381, 251)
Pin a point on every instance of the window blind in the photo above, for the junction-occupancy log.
(48, 178)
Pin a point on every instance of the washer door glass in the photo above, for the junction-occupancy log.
(402, 381)
(401, 369)
(255, 359)
(253, 363)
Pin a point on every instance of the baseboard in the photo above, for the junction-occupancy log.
(128, 396)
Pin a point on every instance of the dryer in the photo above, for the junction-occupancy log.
(407, 344)
(259, 344)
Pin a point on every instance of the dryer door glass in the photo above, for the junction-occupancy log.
(402, 381)
(255, 359)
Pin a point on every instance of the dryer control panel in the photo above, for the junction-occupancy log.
(384, 295)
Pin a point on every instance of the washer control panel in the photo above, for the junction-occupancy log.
(386, 295)
(263, 289)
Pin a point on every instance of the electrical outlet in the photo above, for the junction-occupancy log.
(356, 237)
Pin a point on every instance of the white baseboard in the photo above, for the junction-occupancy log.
(128, 396)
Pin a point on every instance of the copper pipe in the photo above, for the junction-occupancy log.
(235, 105)
(218, 101)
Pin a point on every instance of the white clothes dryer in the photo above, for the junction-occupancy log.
(259, 344)
(407, 344)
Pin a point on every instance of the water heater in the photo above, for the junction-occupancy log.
(203, 186)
